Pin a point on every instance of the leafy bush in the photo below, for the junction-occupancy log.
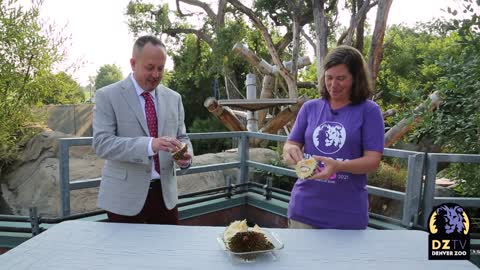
(389, 176)
(279, 181)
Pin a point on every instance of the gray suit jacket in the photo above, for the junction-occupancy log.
(120, 135)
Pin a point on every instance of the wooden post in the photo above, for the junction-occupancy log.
(224, 114)
(283, 117)
(406, 124)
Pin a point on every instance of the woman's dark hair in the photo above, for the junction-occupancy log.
(353, 59)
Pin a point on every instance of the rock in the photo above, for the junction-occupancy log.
(34, 181)
(202, 181)
(441, 191)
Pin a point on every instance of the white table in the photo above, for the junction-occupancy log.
(94, 245)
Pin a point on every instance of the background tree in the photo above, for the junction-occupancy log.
(27, 56)
(61, 89)
(456, 126)
(214, 32)
(107, 74)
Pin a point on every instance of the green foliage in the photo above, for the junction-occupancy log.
(456, 124)
(389, 176)
(209, 124)
(61, 89)
(27, 55)
(146, 17)
(222, 53)
(409, 67)
(279, 181)
(191, 77)
(108, 74)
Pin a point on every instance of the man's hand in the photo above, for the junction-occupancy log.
(167, 144)
(185, 161)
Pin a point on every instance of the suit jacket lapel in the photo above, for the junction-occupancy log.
(130, 96)
(160, 109)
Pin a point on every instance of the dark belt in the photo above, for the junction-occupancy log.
(153, 181)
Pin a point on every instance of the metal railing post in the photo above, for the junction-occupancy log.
(413, 189)
(429, 190)
(228, 184)
(243, 151)
(64, 181)
(34, 221)
(268, 188)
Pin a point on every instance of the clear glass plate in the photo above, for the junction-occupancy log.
(254, 255)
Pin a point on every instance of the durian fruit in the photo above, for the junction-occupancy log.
(305, 168)
(179, 154)
(249, 241)
(233, 228)
(257, 228)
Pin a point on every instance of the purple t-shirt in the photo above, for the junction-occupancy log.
(340, 202)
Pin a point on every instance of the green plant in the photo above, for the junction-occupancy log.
(389, 176)
(279, 181)
(28, 52)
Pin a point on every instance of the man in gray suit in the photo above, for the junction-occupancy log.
(137, 125)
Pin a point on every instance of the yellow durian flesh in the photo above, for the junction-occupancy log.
(305, 168)
(233, 228)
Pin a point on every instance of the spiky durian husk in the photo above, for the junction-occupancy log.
(305, 168)
(179, 154)
(249, 241)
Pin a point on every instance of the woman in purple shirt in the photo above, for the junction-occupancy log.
(344, 131)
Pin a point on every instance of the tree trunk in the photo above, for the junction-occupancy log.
(268, 85)
(292, 86)
(406, 124)
(360, 30)
(296, 8)
(376, 49)
(321, 29)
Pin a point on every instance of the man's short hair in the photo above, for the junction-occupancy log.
(144, 40)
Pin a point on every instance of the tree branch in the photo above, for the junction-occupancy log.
(354, 21)
(203, 6)
(268, 40)
(309, 40)
(180, 11)
(199, 33)
(283, 43)
(222, 4)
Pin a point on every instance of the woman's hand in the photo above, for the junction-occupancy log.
(292, 153)
(331, 166)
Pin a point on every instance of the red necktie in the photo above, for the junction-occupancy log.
(152, 123)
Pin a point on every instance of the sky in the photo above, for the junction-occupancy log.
(100, 36)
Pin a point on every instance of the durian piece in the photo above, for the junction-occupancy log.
(233, 228)
(249, 241)
(257, 228)
(305, 168)
(179, 154)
